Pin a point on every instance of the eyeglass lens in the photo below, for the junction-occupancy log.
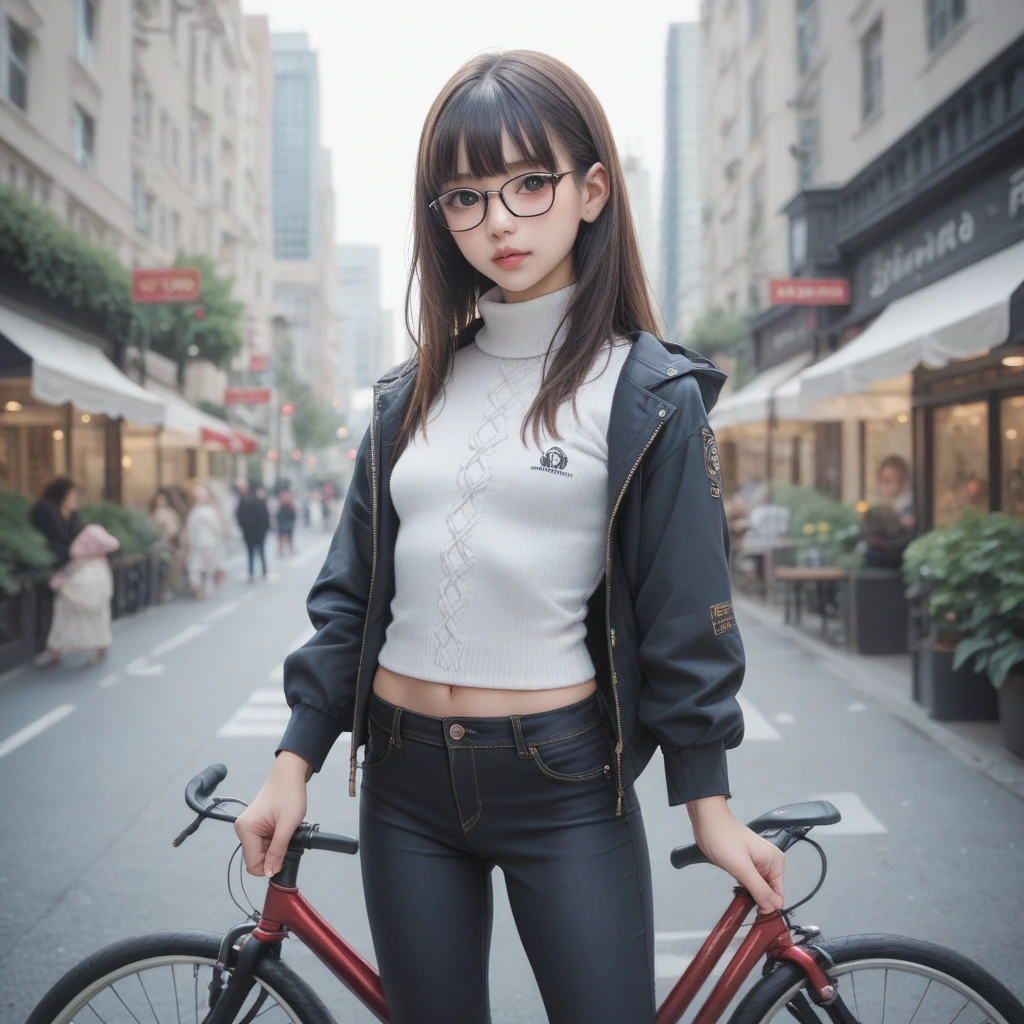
(527, 195)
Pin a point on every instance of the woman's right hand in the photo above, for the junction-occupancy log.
(266, 826)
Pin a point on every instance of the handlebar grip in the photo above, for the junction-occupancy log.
(201, 788)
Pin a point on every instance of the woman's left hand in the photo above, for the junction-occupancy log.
(754, 862)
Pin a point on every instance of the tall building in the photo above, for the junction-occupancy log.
(638, 187)
(680, 271)
(358, 292)
(303, 215)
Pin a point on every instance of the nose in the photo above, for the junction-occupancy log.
(498, 221)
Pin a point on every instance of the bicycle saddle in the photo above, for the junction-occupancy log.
(808, 813)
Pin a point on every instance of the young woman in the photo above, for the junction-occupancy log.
(555, 603)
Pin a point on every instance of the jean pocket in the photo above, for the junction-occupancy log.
(586, 755)
(378, 745)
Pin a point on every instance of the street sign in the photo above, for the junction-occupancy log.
(809, 291)
(247, 396)
(173, 284)
(258, 362)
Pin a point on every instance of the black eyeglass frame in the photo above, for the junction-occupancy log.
(555, 176)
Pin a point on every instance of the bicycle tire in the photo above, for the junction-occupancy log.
(284, 984)
(770, 995)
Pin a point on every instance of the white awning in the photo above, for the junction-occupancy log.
(885, 399)
(186, 426)
(752, 402)
(65, 369)
(965, 314)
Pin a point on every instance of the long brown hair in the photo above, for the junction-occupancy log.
(532, 97)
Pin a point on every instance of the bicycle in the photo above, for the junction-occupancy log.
(242, 971)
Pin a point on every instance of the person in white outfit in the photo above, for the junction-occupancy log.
(205, 538)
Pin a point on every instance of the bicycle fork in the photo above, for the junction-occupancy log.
(233, 976)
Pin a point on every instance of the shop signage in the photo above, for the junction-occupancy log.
(788, 336)
(809, 291)
(258, 362)
(247, 396)
(987, 218)
(175, 284)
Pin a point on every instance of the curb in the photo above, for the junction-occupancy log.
(863, 675)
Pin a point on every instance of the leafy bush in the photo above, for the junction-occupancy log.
(130, 526)
(971, 574)
(820, 522)
(24, 553)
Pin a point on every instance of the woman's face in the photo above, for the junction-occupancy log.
(70, 503)
(541, 246)
(161, 501)
(890, 482)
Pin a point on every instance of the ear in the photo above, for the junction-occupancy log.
(596, 192)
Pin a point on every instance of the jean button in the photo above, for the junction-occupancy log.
(456, 731)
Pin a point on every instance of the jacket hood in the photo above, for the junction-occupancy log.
(710, 378)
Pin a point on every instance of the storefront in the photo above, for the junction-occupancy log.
(62, 404)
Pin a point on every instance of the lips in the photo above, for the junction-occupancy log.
(509, 258)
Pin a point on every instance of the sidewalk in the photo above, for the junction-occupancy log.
(887, 680)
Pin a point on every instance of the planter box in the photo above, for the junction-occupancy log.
(877, 618)
(131, 584)
(1011, 713)
(962, 695)
(17, 627)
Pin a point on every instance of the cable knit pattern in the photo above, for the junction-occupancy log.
(501, 542)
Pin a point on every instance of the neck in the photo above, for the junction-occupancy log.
(523, 329)
(561, 277)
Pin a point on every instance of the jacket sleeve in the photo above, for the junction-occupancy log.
(320, 677)
(690, 651)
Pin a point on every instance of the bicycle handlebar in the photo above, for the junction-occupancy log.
(199, 797)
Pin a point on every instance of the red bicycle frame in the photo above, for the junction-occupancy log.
(287, 910)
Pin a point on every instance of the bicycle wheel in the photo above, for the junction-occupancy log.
(886, 977)
(164, 978)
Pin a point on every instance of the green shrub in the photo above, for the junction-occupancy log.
(130, 526)
(821, 522)
(24, 554)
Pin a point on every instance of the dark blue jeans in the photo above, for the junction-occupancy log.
(445, 800)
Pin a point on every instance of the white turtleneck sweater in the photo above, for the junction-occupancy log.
(500, 545)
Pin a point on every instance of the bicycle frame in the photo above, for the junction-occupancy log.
(287, 910)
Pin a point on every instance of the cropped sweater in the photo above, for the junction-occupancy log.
(501, 543)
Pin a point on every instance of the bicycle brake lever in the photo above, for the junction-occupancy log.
(185, 833)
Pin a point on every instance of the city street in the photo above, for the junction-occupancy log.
(93, 765)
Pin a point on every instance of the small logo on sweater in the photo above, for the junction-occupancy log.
(554, 460)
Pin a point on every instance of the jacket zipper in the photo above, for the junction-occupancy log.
(369, 596)
(612, 641)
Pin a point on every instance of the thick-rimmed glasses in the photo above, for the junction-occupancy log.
(525, 195)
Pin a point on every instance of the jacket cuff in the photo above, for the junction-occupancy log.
(310, 733)
(696, 772)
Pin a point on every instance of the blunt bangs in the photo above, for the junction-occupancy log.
(477, 117)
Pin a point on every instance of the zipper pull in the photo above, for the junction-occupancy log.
(352, 776)
(615, 638)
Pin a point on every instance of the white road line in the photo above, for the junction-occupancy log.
(318, 550)
(109, 680)
(32, 730)
(857, 819)
(142, 667)
(276, 674)
(188, 633)
(301, 639)
(680, 936)
(672, 965)
(856, 706)
(267, 697)
(218, 613)
(785, 718)
(755, 725)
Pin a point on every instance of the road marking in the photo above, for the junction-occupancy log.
(679, 936)
(142, 667)
(188, 633)
(856, 706)
(305, 635)
(265, 713)
(32, 730)
(109, 680)
(785, 718)
(218, 613)
(318, 550)
(857, 819)
(755, 725)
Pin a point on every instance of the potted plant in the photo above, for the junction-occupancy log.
(993, 633)
(939, 570)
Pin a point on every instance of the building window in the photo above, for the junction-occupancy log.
(175, 232)
(172, 21)
(961, 460)
(756, 103)
(86, 17)
(140, 204)
(84, 128)
(871, 71)
(808, 147)
(755, 10)
(142, 108)
(16, 78)
(727, 246)
(226, 195)
(806, 34)
(754, 297)
(943, 17)
(756, 203)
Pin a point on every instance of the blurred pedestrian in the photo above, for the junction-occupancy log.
(169, 523)
(84, 587)
(205, 538)
(894, 488)
(254, 521)
(286, 516)
(55, 516)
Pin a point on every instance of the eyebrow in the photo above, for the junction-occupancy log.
(518, 165)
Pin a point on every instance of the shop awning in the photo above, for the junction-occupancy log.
(191, 427)
(65, 369)
(965, 314)
(752, 402)
(884, 399)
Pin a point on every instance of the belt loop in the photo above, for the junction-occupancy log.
(517, 731)
(396, 728)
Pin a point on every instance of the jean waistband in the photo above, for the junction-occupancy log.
(515, 731)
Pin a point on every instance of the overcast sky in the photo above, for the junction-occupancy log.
(382, 62)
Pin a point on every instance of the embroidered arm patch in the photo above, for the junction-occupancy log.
(722, 617)
(712, 462)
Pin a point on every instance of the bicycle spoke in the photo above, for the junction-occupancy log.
(923, 994)
(961, 1010)
(113, 989)
(195, 975)
(174, 982)
(148, 1000)
(89, 1006)
(885, 992)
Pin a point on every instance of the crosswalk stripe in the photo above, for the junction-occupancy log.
(857, 819)
(755, 725)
